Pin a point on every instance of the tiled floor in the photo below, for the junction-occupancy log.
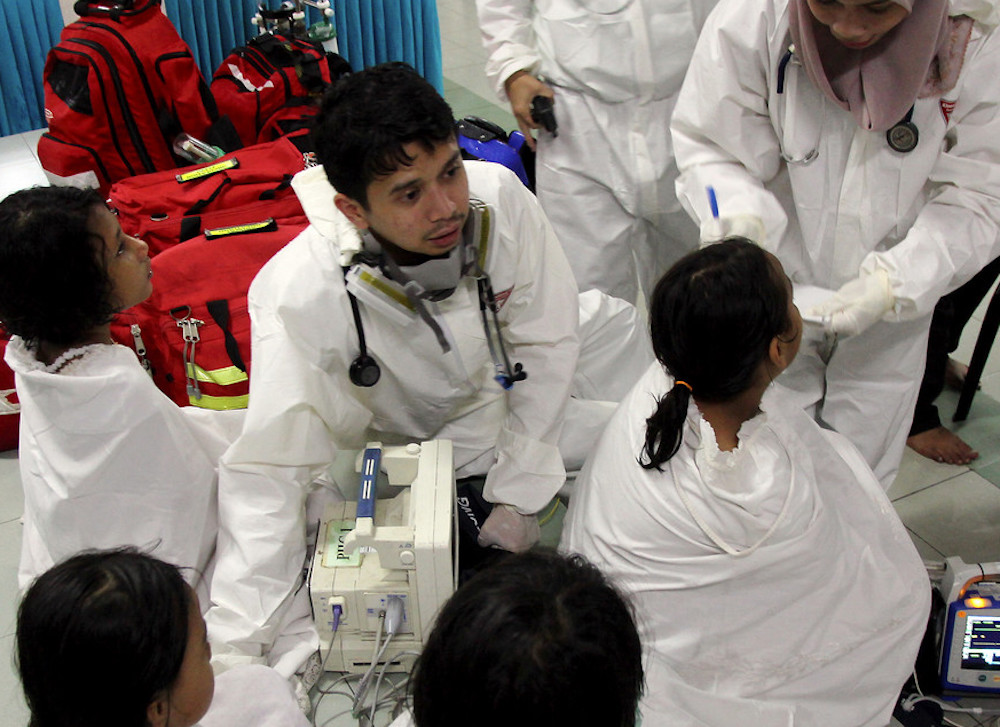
(948, 510)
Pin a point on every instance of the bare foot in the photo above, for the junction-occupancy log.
(954, 374)
(942, 445)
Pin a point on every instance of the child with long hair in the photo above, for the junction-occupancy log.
(766, 563)
(116, 639)
(106, 459)
(534, 639)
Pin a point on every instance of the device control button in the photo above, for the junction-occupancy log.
(406, 557)
(982, 677)
(413, 448)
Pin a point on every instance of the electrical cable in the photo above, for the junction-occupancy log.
(392, 618)
(908, 703)
(362, 692)
(366, 679)
(376, 702)
(338, 610)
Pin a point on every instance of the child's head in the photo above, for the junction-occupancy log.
(714, 315)
(113, 639)
(537, 639)
(720, 319)
(368, 117)
(65, 265)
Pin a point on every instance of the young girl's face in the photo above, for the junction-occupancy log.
(792, 338)
(125, 258)
(192, 691)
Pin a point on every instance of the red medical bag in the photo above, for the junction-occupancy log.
(120, 86)
(251, 184)
(9, 408)
(195, 327)
(273, 85)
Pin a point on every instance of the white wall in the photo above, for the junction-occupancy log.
(67, 10)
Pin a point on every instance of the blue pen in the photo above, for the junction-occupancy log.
(713, 202)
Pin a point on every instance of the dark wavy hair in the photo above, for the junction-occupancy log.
(537, 639)
(365, 120)
(54, 285)
(712, 317)
(99, 636)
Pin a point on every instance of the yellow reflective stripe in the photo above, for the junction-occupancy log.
(223, 377)
(220, 403)
(387, 290)
(211, 169)
(484, 236)
(268, 225)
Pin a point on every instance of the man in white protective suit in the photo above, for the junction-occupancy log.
(428, 299)
(606, 177)
(857, 141)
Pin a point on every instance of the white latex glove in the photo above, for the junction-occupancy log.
(715, 229)
(508, 529)
(858, 305)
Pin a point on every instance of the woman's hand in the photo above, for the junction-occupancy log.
(521, 88)
(859, 304)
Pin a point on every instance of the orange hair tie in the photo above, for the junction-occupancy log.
(685, 384)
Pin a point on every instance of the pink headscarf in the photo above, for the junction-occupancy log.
(878, 85)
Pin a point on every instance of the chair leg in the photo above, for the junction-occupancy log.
(984, 343)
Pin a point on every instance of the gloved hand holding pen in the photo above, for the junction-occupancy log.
(720, 227)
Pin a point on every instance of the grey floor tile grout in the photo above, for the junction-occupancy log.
(964, 471)
(916, 536)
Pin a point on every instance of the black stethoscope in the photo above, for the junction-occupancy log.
(364, 371)
(902, 137)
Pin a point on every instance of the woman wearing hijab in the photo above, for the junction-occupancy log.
(859, 141)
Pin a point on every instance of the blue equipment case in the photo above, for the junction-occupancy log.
(482, 139)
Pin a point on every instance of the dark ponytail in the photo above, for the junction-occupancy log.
(665, 427)
(712, 317)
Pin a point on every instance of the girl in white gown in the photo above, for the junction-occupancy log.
(774, 582)
(106, 458)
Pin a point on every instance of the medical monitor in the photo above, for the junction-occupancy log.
(970, 649)
(396, 540)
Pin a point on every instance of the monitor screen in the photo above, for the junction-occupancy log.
(981, 644)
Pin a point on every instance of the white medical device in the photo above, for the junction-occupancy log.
(970, 648)
(372, 550)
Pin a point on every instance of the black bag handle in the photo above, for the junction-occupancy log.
(114, 10)
(219, 310)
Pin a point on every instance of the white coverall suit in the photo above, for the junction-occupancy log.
(833, 199)
(606, 182)
(108, 460)
(813, 615)
(303, 408)
(253, 695)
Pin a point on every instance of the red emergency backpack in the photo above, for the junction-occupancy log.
(272, 85)
(119, 88)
